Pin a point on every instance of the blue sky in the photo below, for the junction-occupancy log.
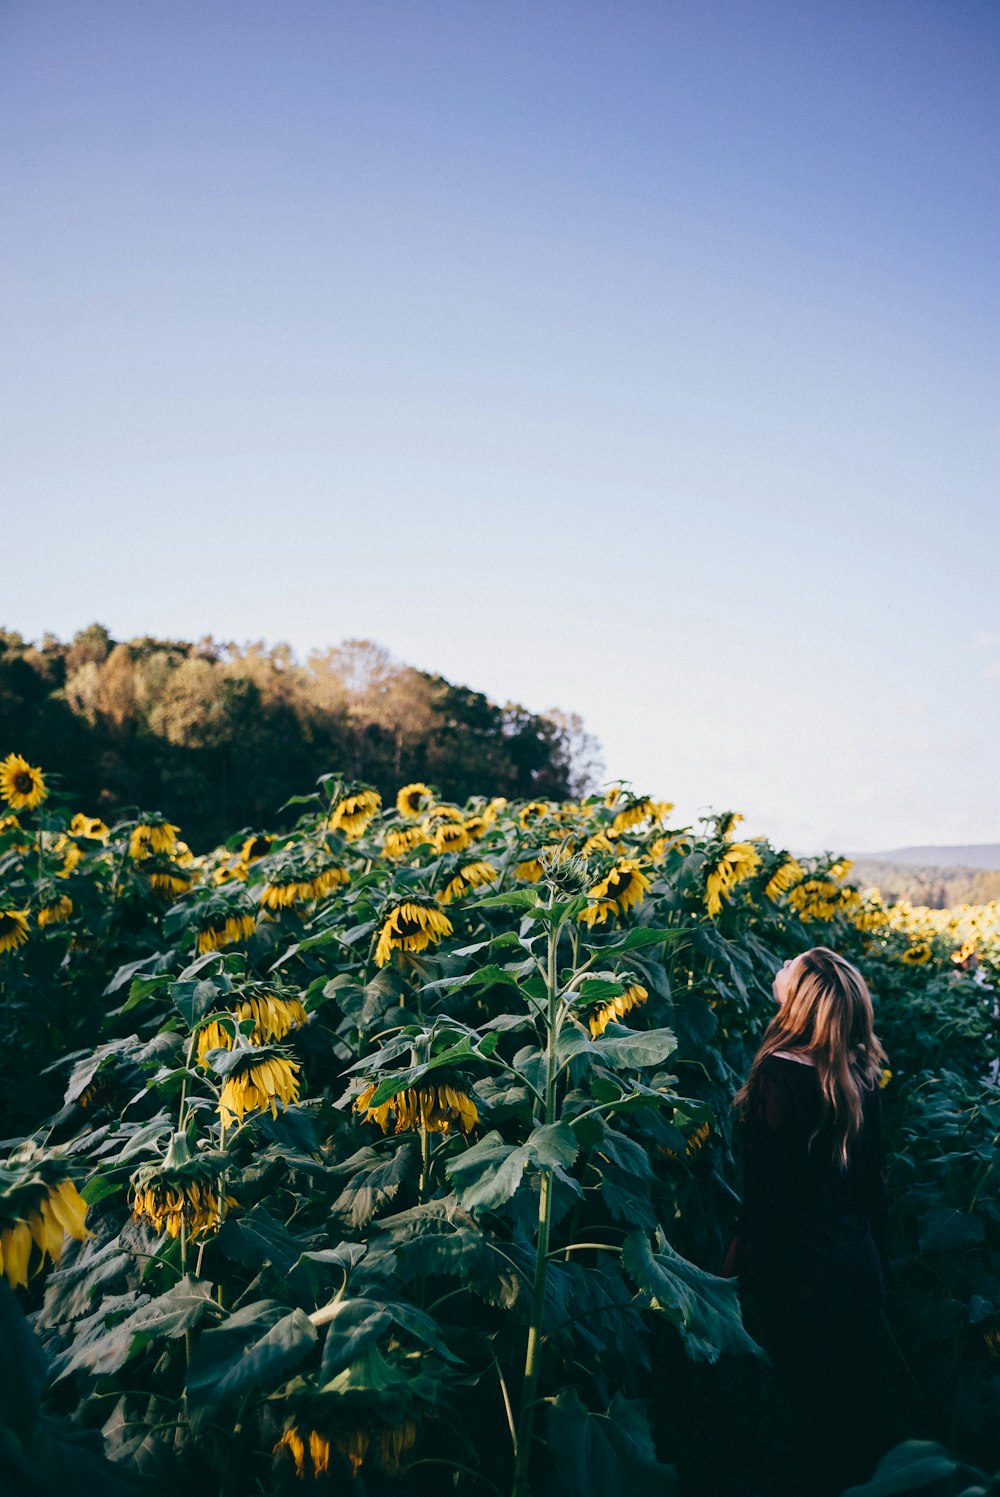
(634, 358)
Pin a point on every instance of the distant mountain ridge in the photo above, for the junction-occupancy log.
(971, 855)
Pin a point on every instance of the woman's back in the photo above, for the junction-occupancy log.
(810, 1233)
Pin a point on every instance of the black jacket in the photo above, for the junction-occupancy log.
(809, 1235)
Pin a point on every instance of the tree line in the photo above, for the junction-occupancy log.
(217, 735)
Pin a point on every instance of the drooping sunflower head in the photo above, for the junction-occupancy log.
(438, 1103)
(39, 1207)
(225, 923)
(55, 910)
(13, 929)
(414, 799)
(450, 836)
(257, 845)
(91, 827)
(400, 840)
(258, 1083)
(492, 809)
(600, 1014)
(919, 952)
(352, 813)
(637, 808)
(533, 811)
(274, 1016)
(736, 862)
(469, 876)
(623, 886)
(787, 871)
(182, 1192)
(411, 925)
(21, 784)
(152, 835)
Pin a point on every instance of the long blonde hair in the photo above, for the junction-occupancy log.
(827, 1014)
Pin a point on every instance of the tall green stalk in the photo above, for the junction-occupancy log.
(532, 1356)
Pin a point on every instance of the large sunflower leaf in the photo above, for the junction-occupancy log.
(256, 1348)
(604, 1455)
(704, 1307)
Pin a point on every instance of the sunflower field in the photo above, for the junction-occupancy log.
(392, 1153)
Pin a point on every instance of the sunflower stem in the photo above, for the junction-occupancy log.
(532, 1355)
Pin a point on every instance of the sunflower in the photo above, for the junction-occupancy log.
(152, 836)
(89, 826)
(663, 845)
(841, 868)
(260, 1084)
(476, 826)
(963, 952)
(884, 1078)
(399, 840)
(21, 785)
(412, 799)
(70, 851)
(300, 1442)
(615, 1008)
(471, 876)
(352, 814)
(636, 808)
(815, 899)
(736, 862)
(697, 1139)
(55, 911)
(613, 796)
(167, 880)
(171, 1205)
(333, 876)
(36, 1211)
(598, 842)
(236, 927)
(622, 886)
(13, 929)
(492, 809)
(273, 1018)
(920, 952)
(533, 811)
(788, 872)
(410, 926)
(530, 870)
(391, 1442)
(280, 893)
(448, 836)
(435, 1105)
(257, 845)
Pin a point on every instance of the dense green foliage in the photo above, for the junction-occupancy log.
(527, 1298)
(217, 735)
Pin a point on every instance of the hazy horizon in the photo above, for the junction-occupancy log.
(623, 359)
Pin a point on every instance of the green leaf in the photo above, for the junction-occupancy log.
(193, 999)
(554, 1144)
(353, 1325)
(257, 1347)
(622, 1048)
(704, 1307)
(489, 1173)
(515, 899)
(910, 1467)
(603, 1455)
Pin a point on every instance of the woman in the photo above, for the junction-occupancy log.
(810, 1248)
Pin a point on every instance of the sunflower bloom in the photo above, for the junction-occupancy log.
(152, 837)
(787, 873)
(622, 887)
(638, 808)
(91, 827)
(697, 1139)
(450, 836)
(412, 799)
(616, 1008)
(172, 1206)
(530, 870)
(400, 840)
(328, 878)
(737, 861)
(257, 845)
(43, 1217)
(533, 811)
(259, 1086)
(352, 814)
(471, 876)
(921, 952)
(21, 785)
(281, 893)
(273, 1019)
(55, 911)
(234, 928)
(436, 1106)
(164, 881)
(410, 927)
(815, 899)
(493, 808)
(13, 929)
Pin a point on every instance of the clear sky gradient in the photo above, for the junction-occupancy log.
(636, 358)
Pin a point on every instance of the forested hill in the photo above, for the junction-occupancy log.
(217, 735)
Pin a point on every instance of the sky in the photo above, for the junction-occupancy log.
(637, 359)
